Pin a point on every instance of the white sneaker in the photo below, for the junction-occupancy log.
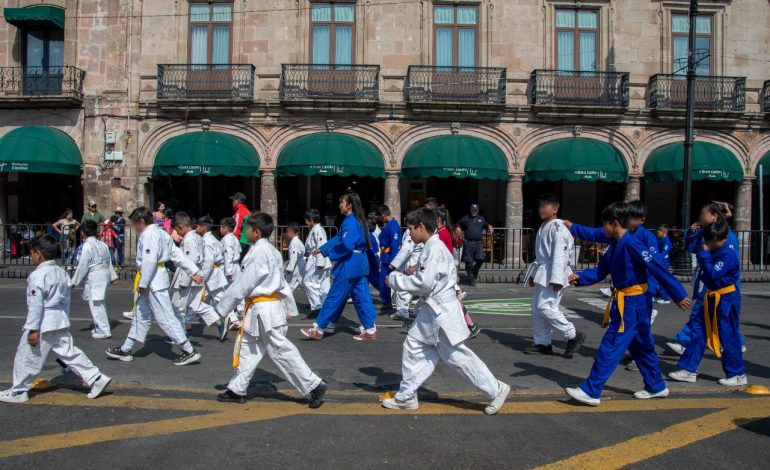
(683, 376)
(96, 335)
(461, 295)
(653, 316)
(662, 302)
(503, 389)
(744, 348)
(396, 404)
(98, 387)
(645, 395)
(676, 347)
(128, 315)
(578, 394)
(737, 381)
(8, 396)
(606, 291)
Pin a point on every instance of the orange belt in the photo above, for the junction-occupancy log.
(385, 249)
(619, 295)
(249, 302)
(712, 330)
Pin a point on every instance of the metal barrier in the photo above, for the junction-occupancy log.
(581, 88)
(300, 82)
(180, 82)
(666, 91)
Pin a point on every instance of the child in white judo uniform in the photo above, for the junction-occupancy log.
(231, 249)
(439, 331)
(294, 269)
(405, 262)
(95, 266)
(215, 281)
(47, 327)
(268, 308)
(154, 249)
(316, 282)
(549, 275)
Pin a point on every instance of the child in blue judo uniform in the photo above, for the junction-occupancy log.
(373, 251)
(630, 263)
(716, 324)
(350, 273)
(390, 243)
(664, 249)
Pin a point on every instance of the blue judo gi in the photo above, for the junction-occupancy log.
(720, 269)
(631, 264)
(373, 255)
(350, 275)
(390, 243)
(664, 249)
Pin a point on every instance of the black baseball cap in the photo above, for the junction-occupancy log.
(238, 197)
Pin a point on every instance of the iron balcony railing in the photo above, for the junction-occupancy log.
(226, 82)
(579, 88)
(59, 81)
(666, 91)
(330, 82)
(765, 98)
(434, 84)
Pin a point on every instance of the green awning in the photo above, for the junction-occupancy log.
(576, 159)
(39, 149)
(456, 156)
(330, 154)
(38, 16)
(206, 153)
(765, 162)
(709, 162)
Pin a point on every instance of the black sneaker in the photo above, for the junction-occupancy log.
(117, 353)
(539, 349)
(313, 313)
(317, 395)
(187, 358)
(231, 397)
(574, 344)
(474, 329)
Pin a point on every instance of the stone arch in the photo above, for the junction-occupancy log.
(757, 152)
(658, 139)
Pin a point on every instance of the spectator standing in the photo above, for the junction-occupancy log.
(66, 227)
(93, 214)
(159, 215)
(120, 230)
(473, 227)
(240, 214)
(109, 236)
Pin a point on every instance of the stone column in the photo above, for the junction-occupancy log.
(268, 196)
(393, 194)
(633, 188)
(514, 221)
(742, 216)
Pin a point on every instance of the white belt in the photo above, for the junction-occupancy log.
(442, 298)
(357, 251)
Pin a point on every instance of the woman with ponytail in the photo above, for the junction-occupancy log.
(350, 274)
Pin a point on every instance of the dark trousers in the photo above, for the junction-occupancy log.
(244, 249)
(473, 256)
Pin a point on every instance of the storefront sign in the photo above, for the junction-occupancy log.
(461, 172)
(327, 170)
(591, 175)
(194, 170)
(13, 167)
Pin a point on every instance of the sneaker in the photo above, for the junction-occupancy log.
(683, 376)
(578, 394)
(653, 316)
(9, 396)
(574, 344)
(645, 395)
(168, 340)
(398, 317)
(313, 313)
(364, 336)
(96, 335)
(662, 301)
(396, 404)
(312, 333)
(632, 366)
(676, 347)
(538, 349)
(406, 325)
(99, 385)
(737, 381)
(474, 330)
(330, 329)
(744, 348)
(224, 328)
(503, 389)
(187, 358)
(386, 307)
(231, 397)
(606, 291)
(461, 295)
(128, 315)
(317, 395)
(117, 353)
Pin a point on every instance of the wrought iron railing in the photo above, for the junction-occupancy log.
(65, 80)
(313, 82)
(765, 98)
(579, 88)
(180, 82)
(666, 91)
(432, 84)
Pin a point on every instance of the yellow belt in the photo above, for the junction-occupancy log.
(385, 249)
(620, 295)
(136, 286)
(205, 287)
(712, 330)
(249, 302)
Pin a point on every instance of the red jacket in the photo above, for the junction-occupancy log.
(446, 237)
(241, 211)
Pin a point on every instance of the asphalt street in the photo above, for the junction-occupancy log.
(166, 416)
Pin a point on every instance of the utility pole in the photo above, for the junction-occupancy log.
(690, 119)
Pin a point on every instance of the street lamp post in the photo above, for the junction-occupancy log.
(689, 125)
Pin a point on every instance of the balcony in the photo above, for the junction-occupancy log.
(713, 94)
(329, 86)
(205, 85)
(432, 87)
(30, 87)
(765, 97)
(578, 89)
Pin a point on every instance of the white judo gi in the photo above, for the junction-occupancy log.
(553, 247)
(407, 256)
(270, 302)
(155, 248)
(231, 249)
(316, 282)
(95, 266)
(439, 331)
(48, 305)
(295, 265)
(188, 295)
(213, 269)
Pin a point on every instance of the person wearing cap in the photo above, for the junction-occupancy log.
(93, 214)
(120, 229)
(240, 214)
(473, 227)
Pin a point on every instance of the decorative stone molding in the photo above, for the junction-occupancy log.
(455, 129)
(577, 130)
(330, 125)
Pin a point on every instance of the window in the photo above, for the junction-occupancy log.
(332, 33)
(576, 36)
(455, 35)
(210, 33)
(680, 29)
(43, 61)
